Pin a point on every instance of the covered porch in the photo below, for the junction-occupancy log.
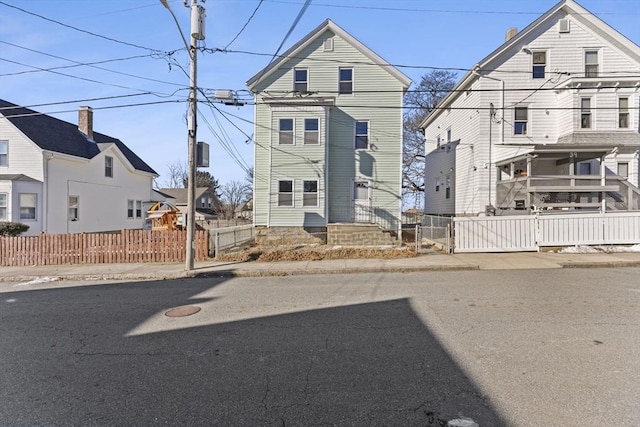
(565, 177)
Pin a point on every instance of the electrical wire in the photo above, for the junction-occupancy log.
(79, 29)
(92, 65)
(245, 25)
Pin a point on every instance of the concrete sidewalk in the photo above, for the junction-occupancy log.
(433, 262)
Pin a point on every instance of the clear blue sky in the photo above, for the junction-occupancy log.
(410, 33)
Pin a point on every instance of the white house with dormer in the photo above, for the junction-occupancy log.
(58, 177)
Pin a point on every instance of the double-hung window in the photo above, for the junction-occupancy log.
(130, 211)
(73, 208)
(311, 131)
(28, 205)
(585, 113)
(591, 63)
(285, 193)
(623, 113)
(108, 167)
(362, 135)
(521, 117)
(301, 80)
(310, 193)
(345, 83)
(285, 132)
(3, 206)
(539, 64)
(4, 153)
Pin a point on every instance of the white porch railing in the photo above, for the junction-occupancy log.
(530, 233)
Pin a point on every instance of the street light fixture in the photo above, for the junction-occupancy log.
(197, 33)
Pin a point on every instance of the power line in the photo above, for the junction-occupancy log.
(92, 65)
(80, 78)
(79, 29)
(448, 11)
(342, 62)
(245, 25)
(36, 113)
(77, 101)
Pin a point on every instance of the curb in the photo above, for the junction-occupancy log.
(608, 264)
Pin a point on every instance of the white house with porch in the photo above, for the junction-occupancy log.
(547, 122)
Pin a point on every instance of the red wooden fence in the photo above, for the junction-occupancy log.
(101, 248)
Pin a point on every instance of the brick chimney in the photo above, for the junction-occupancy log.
(85, 121)
(510, 33)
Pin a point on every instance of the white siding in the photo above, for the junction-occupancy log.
(551, 113)
(25, 157)
(102, 200)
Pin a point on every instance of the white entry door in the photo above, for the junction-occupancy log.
(361, 202)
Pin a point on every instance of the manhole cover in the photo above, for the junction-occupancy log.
(185, 310)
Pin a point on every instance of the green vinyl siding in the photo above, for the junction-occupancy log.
(376, 98)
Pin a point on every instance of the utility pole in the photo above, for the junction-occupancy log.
(197, 33)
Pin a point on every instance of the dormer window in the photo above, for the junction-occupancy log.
(591, 63)
(301, 80)
(539, 64)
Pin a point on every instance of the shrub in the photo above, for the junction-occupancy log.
(12, 228)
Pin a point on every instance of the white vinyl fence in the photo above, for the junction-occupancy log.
(530, 233)
(222, 239)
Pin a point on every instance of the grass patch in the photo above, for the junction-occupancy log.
(316, 253)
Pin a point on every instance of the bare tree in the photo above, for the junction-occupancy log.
(419, 102)
(232, 195)
(178, 172)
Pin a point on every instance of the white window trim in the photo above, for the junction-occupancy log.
(295, 81)
(546, 63)
(592, 113)
(353, 81)
(110, 168)
(355, 135)
(598, 52)
(293, 130)
(35, 208)
(317, 193)
(628, 112)
(527, 125)
(304, 130)
(77, 209)
(6, 165)
(293, 193)
(5, 206)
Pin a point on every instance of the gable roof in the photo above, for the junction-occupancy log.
(570, 7)
(328, 25)
(59, 136)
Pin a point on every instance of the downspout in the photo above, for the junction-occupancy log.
(270, 171)
(327, 115)
(46, 157)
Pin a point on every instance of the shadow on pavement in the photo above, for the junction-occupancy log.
(66, 361)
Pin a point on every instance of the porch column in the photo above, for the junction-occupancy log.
(603, 183)
(527, 179)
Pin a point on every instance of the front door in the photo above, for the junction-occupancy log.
(361, 202)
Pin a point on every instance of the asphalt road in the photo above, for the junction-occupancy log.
(517, 348)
